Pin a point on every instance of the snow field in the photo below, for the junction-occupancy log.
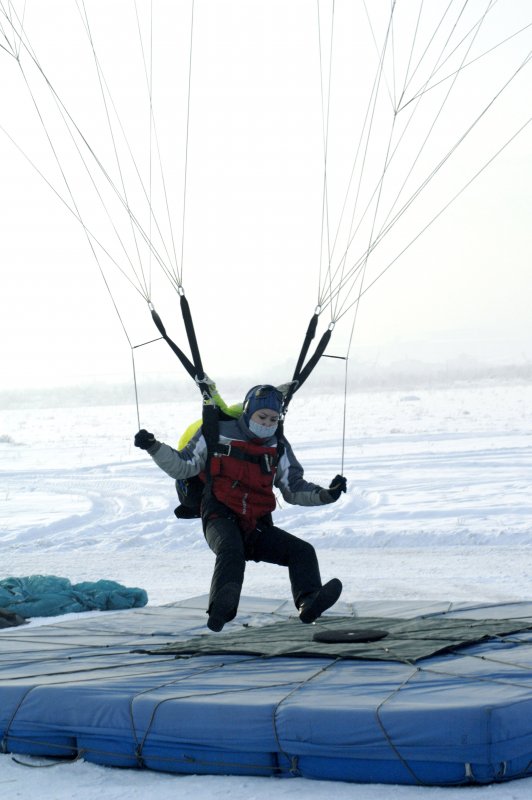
(438, 508)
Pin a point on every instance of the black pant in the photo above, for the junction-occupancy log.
(266, 543)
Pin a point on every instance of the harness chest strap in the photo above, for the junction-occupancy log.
(266, 461)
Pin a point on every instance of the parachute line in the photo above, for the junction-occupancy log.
(429, 43)
(339, 282)
(153, 134)
(369, 121)
(68, 119)
(411, 56)
(465, 66)
(325, 110)
(339, 279)
(365, 135)
(70, 209)
(186, 143)
(113, 140)
(419, 153)
(75, 209)
(442, 210)
(400, 143)
(172, 275)
(340, 285)
(136, 387)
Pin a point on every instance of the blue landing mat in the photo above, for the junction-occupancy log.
(78, 688)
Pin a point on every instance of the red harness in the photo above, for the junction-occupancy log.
(242, 476)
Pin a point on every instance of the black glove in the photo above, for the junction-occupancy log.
(144, 439)
(337, 486)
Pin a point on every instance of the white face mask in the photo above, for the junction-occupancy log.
(261, 431)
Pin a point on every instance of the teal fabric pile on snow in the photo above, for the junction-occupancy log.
(49, 595)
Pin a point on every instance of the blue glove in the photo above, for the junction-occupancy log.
(337, 486)
(144, 439)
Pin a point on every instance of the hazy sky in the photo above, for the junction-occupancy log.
(254, 232)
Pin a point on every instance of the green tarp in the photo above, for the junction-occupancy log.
(50, 595)
(407, 640)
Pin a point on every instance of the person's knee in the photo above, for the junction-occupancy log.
(304, 549)
(288, 548)
(303, 557)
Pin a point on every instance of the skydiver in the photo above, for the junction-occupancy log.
(238, 502)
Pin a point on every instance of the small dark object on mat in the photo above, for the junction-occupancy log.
(334, 637)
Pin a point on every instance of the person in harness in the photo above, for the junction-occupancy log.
(239, 472)
(190, 490)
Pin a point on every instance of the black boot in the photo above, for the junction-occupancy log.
(313, 605)
(224, 606)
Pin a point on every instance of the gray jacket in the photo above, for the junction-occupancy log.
(191, 461)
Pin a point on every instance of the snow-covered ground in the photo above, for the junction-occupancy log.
(438, 507)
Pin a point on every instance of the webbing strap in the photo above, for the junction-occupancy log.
(194, 367)
(302, 373)
(265, 460)
(311, 363)
(210, 432)
(309, 336)
(191, 336)
(188, 365)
